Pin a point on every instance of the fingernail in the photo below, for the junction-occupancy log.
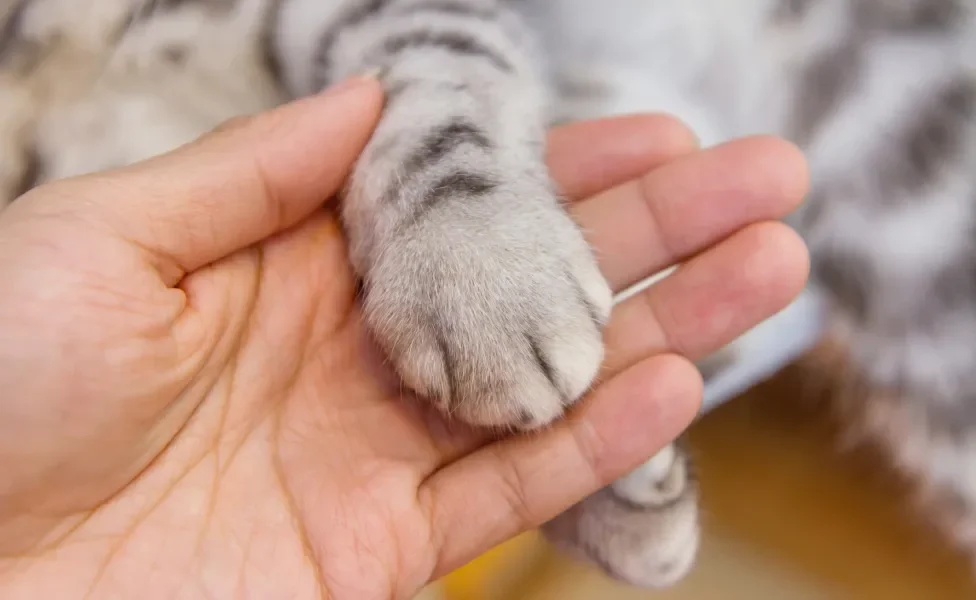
(350, 84)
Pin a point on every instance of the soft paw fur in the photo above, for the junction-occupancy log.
(491, 305)
(643, 529)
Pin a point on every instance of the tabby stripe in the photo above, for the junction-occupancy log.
(595, 317)
(269, 43)
(11, 26)
(954, 287)
(825, 81)
(848, 277)
(792, 10)
(635, 506)
(444, 140)
(450, 369)
(449, 7)
(452, 41)
(939, 136)
(32, 173)
(223, 6)
(544, 365)
(358, 14)
(434, 148)
(926, 16)
(395, 89)
(461, 184)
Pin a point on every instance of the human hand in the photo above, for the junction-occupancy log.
(191, 406)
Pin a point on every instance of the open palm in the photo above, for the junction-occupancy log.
(192, 408)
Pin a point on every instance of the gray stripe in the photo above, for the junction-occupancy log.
(32, 174)
(455, 42)
(787, 11)
(444, 140)
(269, 42)
(462, 184)
(456, 8)
(450, 370)
(824, 83)
(10, 27)
(911, 16)
(848, 279)
(936, 140)
(220, 6)
(356, 15)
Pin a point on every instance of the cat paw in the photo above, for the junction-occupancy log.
(490, 304)
(643, 529)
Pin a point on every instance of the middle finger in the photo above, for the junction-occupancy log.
(651, 223)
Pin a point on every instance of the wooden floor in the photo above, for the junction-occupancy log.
(788, 517)
(773, 477)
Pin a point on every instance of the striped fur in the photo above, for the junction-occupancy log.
(477, 284)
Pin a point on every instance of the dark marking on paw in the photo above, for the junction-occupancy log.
(953, 289)
(32, 173)
(667, 486)
(458, 8)
(269, 43)
(598, 320)
(10, 27)
(175, 55)
(791, 11)
(824, 83)
(917, 18)
(456, 185)
(357, 14)
(937, 15)
(395, 89)
(18, 53)
(444, 140)
(433, 149)
(595, 555)
(666, 568)
(544, 365)
(451, 370)
(634, 506)
(455, 42)
(938, 136)
(848, 280)
(218, 7)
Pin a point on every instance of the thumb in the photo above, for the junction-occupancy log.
(245, 181)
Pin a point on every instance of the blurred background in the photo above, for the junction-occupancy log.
(790, 514)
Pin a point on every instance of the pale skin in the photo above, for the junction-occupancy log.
(191, 407)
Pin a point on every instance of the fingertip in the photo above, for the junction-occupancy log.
(678, 387)
(641, 410)
(360, 97)
(784, 258)
(784, 166)
(793, 170)
(672, 133)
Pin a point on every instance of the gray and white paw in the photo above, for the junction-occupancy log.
(643, 529)
(489, 302)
